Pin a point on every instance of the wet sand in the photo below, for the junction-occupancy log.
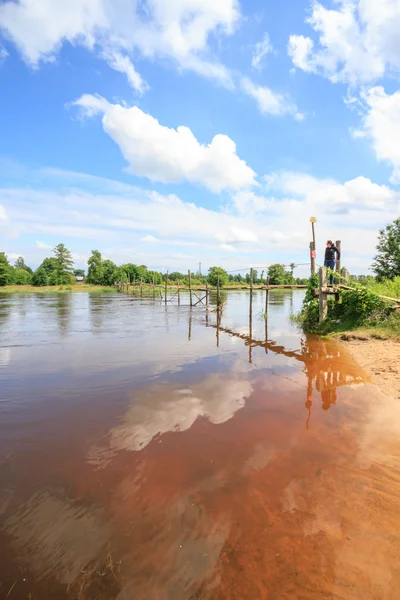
(381, 359)
(222, 467)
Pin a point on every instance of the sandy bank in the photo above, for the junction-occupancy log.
(380, 359)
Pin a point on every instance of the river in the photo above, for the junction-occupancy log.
(156, 452)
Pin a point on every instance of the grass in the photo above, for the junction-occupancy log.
(54, 289)
(388, 287)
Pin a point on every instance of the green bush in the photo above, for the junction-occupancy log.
(355, 308)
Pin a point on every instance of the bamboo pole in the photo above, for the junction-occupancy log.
(218, 293)
(141, 287)
(323, 296)
(266, 295)
(190, 288)
(338, 262)
(206, 293)
(166, 287)
(312, 257)
(179, 293)
(154, 289)
(251, 297)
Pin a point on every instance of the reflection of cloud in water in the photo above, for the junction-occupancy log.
(5, 356)
(56, 537)
(262, 455)
(163, 408)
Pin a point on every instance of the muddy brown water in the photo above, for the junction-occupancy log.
(150, 452)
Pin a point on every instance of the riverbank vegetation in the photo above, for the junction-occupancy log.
(57, 270)
(358, 309)
(370, 306)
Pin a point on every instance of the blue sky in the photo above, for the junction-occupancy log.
(172, 133)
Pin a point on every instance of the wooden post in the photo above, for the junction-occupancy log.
(251, 295)
(313, 232)
(345, 274)
(154, 289)
(190, 288)
(218, 294)
(179, 293)
(141, 287)
(338, 262)
(206, 293)
(312, 257)
(266, 295)
(166, 287)
(323, 296)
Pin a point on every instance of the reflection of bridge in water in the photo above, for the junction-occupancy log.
(324, 362)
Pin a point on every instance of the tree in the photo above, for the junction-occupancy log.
(387, 260)
(49, 265)
(95, 271)
(5, 272)
(20, 264)
(110, 272)
(40, 278)
(213, 273)
(277, 274)
(64, 264)
(22, 277)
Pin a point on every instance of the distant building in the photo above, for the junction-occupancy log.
(79, 279)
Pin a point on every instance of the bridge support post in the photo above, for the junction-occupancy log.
(323, 296)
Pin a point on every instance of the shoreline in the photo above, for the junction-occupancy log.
(380, 358)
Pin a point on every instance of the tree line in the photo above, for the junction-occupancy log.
(58, 269)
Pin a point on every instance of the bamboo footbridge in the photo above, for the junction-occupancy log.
(200, 296)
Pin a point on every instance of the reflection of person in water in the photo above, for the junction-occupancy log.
(328, 398)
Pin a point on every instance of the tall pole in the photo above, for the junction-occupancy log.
(190, 288)
(313, 254)
(166, 287)
(338, 262)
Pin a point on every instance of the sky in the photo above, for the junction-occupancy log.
(173, 133)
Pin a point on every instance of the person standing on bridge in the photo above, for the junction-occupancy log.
(331, 253)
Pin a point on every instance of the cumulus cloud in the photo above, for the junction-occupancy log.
(357, 42)
(381, 124)
(3, 214)
(268, 101)
(357, 194)
(169, 155)
(261, 50)
(174, 29)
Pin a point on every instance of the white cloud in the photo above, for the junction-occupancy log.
(335, 197)
(43, 246)
(87, 212)
(261, 50)
(358, 42)
(236, 235)
(123, 64)
(228, 247)
(150, 239)
(381, 124)
(270, 102)
(169, 155)
(174, 29)
(3, 214)
(3, 53)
